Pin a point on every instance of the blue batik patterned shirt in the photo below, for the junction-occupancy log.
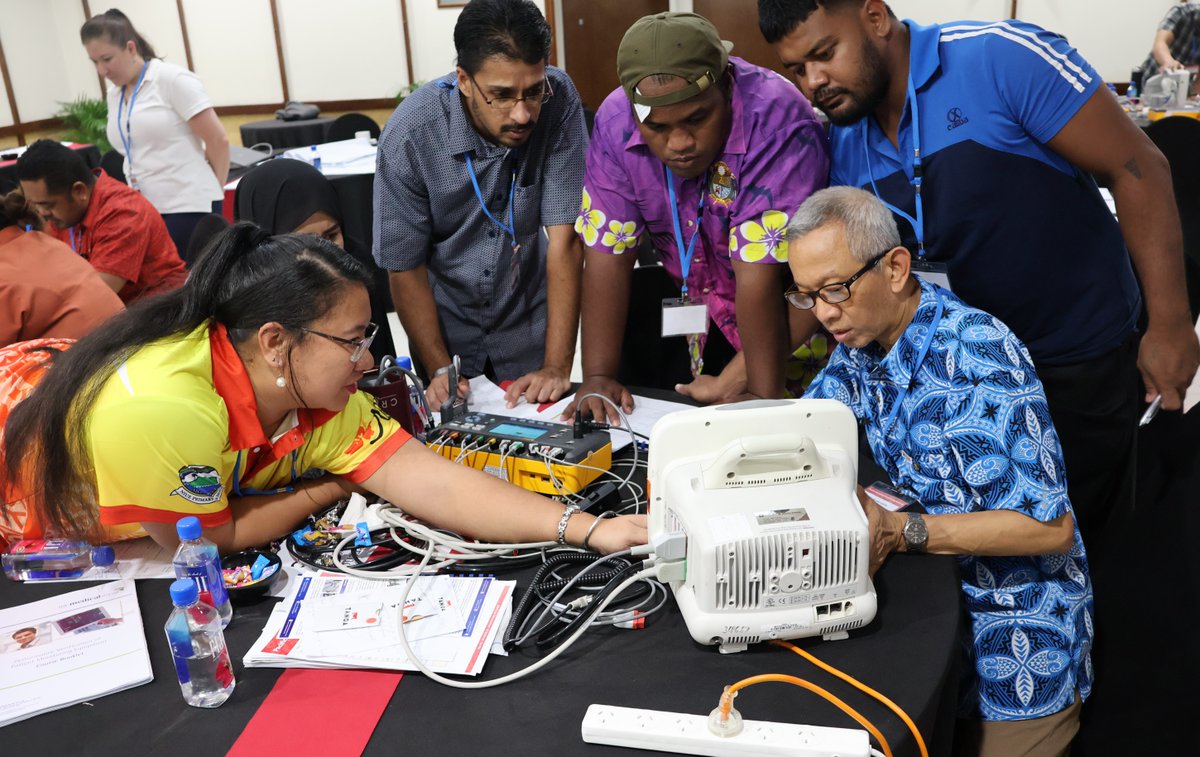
(973, 433)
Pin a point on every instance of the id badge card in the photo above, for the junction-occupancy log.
(934, 273)
(889, 498)
(681, 317)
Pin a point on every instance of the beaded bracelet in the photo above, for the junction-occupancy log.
(562, 522)
(596, 522)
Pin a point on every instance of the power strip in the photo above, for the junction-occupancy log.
(682, 733)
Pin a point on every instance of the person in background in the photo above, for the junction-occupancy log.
(471, 168)
(954, 413)
(223, 399)
(108, 224)
(705, 154)
(1176, 43)
(283, 196)
(162, 121)
(45, 289)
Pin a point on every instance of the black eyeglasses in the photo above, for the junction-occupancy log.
(538, 95)
(831, 293)
(360, 345)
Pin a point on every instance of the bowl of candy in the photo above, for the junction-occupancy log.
(248, 574)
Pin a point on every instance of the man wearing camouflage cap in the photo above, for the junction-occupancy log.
(706, 154)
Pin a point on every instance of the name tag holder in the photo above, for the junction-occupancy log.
(683, 317)
(934, 273)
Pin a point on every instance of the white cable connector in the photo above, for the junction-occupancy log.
(671, 545)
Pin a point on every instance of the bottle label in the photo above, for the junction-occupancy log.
(224, 671)
(208, 580)
(181, 648)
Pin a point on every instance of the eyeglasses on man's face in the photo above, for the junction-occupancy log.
(359, 346)
(831, 293)
(535, 95)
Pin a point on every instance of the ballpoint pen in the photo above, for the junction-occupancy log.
(1151, 411)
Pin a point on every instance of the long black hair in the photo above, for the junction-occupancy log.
(244, 279)
(115, 26)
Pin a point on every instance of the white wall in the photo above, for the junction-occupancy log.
(34, 35)
(233, 50)
(431, 31)
(372, 67)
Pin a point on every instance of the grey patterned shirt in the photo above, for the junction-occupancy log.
(1184, 21)
(426, 212)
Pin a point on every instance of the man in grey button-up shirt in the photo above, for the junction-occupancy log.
(471, 168)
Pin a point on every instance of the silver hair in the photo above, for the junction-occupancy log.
(867, 223)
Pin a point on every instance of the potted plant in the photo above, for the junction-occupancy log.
(85, 120)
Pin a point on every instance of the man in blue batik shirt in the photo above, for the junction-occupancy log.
(955, 413)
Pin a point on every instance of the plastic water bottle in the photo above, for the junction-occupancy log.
(314, 157)
(197, 558)
(198, 647)
(51, 559)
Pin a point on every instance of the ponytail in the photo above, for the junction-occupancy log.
(115, 26)
(15, 211)
(243, 279)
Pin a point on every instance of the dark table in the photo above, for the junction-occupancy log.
(285, 134)
(8, 168)
(909, 653)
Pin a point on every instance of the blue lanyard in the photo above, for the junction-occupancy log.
(238, 491)
(918, 223)
(933, 326)
(126, 137)
(685, 253)
(71, 234)
(511, 228)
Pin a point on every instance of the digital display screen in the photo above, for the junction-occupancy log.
(512, 429)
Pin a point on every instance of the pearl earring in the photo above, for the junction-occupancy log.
(281, 382)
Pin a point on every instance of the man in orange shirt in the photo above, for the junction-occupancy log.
(45, 289)
(110, 225)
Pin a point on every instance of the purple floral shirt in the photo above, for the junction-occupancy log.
(776, 155)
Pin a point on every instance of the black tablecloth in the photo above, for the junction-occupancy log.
(909, 653)
(285, 134)
(8, 168)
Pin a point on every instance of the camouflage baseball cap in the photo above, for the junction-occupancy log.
(681, 44)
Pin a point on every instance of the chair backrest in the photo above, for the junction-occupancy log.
(1178, 137)
(113, 164)
(347, 125)
(209, 225)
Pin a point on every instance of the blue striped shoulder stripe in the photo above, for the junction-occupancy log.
(1068, 69)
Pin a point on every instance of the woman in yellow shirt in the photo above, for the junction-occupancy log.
(216, 399)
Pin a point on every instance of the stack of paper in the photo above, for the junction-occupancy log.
(344, 158)
(330, 620)
(68, 649)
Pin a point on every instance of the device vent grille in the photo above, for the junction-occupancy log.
(740, 640)
(850, 625)
(736, 482)
(745, 569)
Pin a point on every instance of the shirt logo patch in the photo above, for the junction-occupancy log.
(722, 184)
(201, 484)
(956, 118)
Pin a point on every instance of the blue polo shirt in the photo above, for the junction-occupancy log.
(1025, 235)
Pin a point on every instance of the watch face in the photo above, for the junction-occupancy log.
(915, 533)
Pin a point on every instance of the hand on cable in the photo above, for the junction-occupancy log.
(438, 390)
(544, 385)
(1167, 358)
(598, 409)
(615, 534)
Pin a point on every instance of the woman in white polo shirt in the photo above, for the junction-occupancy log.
(161, 120)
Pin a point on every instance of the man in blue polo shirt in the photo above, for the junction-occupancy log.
(1010, 124)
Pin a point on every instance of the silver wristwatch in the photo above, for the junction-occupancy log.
(916, 536)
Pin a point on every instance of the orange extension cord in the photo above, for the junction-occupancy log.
(731, 691)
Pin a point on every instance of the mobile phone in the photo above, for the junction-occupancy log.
(889, 498)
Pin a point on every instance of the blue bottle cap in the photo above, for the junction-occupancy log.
(103, 556)
(188, 528)
(184, 592)
(404, 361)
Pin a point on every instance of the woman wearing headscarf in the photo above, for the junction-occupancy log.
(290, 196)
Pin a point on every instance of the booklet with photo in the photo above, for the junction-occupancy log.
(69, 649)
